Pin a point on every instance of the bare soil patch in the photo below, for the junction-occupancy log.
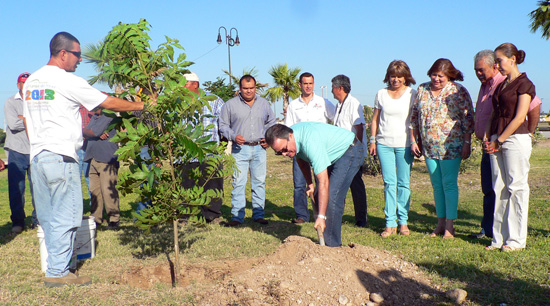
(301, 272)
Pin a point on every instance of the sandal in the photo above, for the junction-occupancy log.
(437, 232)
(388, 232)
(449, 234)
(491, 248)
(404, 230)
(507, 248)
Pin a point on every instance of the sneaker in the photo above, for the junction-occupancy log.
(69, 279)
(262, 221)
(17, 229)
(113, 226)
(477, 235)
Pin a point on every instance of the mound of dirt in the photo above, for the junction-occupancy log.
(301, 272)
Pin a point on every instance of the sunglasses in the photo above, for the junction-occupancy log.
(75, 53)
(26, 75)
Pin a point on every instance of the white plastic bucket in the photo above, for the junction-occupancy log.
(84, 246)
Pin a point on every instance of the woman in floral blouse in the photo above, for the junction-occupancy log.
(443, 118)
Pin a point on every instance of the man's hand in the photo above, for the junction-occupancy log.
(263, 143)
(320, 222)
(104, 136)
(239, 139)
(310, 190)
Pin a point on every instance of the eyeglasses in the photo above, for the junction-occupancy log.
(283, 150)
(75, 53)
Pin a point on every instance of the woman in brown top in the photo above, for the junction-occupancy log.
(510, 148)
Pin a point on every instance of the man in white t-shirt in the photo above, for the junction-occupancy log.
(349, 115)
(52, 97)
(309, 107)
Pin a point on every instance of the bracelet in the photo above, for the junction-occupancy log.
(373, 141)
(321, 216)
(413, 142)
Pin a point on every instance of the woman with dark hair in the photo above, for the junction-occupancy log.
(510, 148)
(390, 140)
(443, 116)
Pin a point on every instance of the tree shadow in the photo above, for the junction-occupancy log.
(492, 288)
(389, 282)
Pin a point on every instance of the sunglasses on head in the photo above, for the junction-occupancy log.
(26, 75)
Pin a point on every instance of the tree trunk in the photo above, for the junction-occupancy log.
(177, 251)
(285, 106)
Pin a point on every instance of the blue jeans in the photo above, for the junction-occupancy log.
(341, 173)
(144, 154)
(488, 195)
(444, 175)
(84, 169)
(18, 166)
(57, 188)
(396, 166)
(253, 158)
(300, 186)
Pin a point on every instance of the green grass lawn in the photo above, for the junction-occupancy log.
(490, 278)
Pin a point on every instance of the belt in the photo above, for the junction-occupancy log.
(251, 143)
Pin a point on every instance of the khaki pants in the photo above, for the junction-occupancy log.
(510, 169)
(103, 179)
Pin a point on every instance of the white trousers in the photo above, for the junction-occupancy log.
(510, 171)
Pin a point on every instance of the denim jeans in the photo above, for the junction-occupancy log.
(341, 173)
(253, 158)
(444, 176)
(488, 195)
(144, 154)
(84, 169)
(396, 164)
(57, 188)
(18, 166)
(300, 186)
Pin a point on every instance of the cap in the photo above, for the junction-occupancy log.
(191, 77)
(23, 77)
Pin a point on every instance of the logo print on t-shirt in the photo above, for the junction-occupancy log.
(40, 94)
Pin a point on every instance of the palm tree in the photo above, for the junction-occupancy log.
(253, 72)
(540, 19)
(286, 81)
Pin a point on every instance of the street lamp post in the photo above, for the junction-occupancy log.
(230, 43)
(323, 87)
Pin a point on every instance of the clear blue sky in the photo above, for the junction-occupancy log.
(326, 38)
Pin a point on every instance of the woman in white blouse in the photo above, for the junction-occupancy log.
(389, 140)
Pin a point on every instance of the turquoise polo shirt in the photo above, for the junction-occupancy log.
(321, 144)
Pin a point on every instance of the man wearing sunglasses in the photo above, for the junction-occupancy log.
(17, 146)
(335, 156)
(52, 97)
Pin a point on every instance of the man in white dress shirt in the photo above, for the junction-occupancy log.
(349, 115)
(309, 107)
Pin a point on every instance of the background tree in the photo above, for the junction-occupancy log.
(173, 135)
(540, 19)
(286, 85)
(253, 72)
(220, 89)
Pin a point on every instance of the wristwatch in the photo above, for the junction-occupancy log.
(321, 216)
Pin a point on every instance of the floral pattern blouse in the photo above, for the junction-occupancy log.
(443, 120)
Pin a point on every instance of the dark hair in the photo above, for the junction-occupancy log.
(399, 69)
(62, 41)
(342, 81)
(246, 77)
(510, 50)
(306, 75)
(280, 131)
(446, 66)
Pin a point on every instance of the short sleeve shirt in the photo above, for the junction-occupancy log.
(505, 102)
(321, 144)
(52, 98)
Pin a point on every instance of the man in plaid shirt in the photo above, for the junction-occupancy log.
(211, 213)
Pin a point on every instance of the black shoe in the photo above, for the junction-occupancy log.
(262, 221)
(233, 223)
(113, 226)
(477, 235)
(361, 224)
